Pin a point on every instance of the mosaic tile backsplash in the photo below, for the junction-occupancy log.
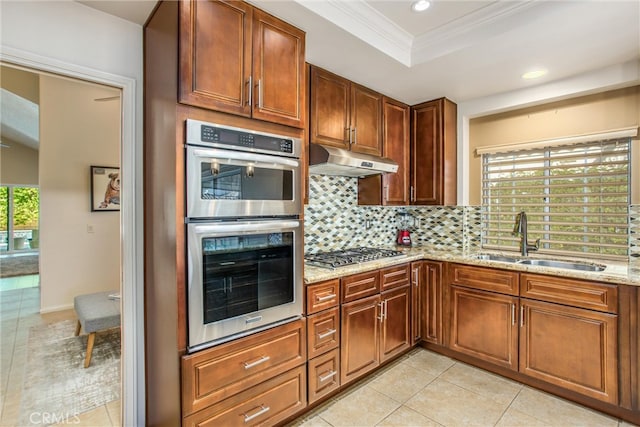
(333, 220)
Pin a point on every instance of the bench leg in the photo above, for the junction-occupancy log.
(90, 339)
(78, 326)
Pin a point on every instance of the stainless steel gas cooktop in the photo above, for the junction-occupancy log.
(344, 257)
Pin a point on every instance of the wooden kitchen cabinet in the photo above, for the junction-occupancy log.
(376, 326)
(359, 345)
(213, 375)
(433, 153)
(573, 348)
(237, 59)
(390, 189)
(432, 306)
(395, 334)
(344, 114)
(484, 325)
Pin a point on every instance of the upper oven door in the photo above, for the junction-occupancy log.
(226, 183)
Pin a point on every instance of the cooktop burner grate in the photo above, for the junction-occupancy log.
(344, 257)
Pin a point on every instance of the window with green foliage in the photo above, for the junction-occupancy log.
(19, 217)
(576, 198)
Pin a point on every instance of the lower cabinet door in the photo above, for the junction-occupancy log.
(265, 404)
(571, 347)
(484, 325)
(324, 375)
(360, 338)
(395, 336)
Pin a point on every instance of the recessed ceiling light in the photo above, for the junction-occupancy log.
(420, 5)
(534, 74)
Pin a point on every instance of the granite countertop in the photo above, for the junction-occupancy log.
(616, 272)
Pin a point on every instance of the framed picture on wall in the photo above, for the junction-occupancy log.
(105, 188)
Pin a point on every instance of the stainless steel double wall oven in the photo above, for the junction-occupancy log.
(244, 233)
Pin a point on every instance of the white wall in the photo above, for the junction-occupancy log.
(101, 47)
(18, 164)
(79, 249)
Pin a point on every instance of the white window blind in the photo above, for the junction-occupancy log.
(576, 198)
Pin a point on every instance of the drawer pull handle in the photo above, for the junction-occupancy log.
(263, 410)
(325, 298)
(327, 377)
(249, 365)
(328, 333)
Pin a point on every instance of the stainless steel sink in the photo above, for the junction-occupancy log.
(563, 264)
(496, 257)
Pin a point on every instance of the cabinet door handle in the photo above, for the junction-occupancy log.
(355, 136)
(384, 309)
(259, 93)
(415, 277)
(261, 410)
(325, 298)
(386, 193)
(513, 314)
(249, 365)
(521, 316)
(349, 134)
(381, 305)
(327, 333)
(327, 377)
(412, 195)
(250, 96)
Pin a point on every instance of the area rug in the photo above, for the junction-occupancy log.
(55, 381)
(19, 265)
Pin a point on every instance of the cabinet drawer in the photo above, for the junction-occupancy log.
(321, 296)
(212, 375)
(323, 332)
(488, 279)
(578, 293)
(265, 404)
(360, 285)
(324, 375)
(394, 277)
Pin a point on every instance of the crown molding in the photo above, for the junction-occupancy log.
(358, 18)
(366, 23)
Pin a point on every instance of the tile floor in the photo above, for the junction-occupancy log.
(423, 388)
(19, 310)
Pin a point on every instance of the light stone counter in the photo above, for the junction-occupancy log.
(616, 272)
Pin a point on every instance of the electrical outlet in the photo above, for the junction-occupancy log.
(367, 224)
(90, 228)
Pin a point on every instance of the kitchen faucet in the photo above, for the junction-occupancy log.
(521, 229)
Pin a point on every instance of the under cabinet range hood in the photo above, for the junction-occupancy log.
(324, 160)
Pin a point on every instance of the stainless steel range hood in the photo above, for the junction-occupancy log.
(324, 160)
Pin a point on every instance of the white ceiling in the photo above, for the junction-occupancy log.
(457, 48)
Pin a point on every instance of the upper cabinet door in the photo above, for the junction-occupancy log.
(278, 71)
(329, 109)
(396, 147)
(215, 52)
(366, 120)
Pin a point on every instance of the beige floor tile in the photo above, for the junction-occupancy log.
(363, 407)
(559, 412)
(451, 405)
(482, 382)
(401, 382)
(315, 421)
(403, 417)
(114, 409)
(515, 418)
(433, 363)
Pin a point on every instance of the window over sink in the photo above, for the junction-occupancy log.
(576, 197)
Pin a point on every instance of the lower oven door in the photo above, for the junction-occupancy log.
(243, 276)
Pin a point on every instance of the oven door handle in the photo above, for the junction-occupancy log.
(224, 228)
(247, 157)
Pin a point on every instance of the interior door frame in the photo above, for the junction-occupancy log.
(131, 223)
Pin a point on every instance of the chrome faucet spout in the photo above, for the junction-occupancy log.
(520, 228)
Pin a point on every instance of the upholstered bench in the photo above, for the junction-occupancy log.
(96, 312)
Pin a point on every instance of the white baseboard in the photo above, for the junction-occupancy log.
(56, 308)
